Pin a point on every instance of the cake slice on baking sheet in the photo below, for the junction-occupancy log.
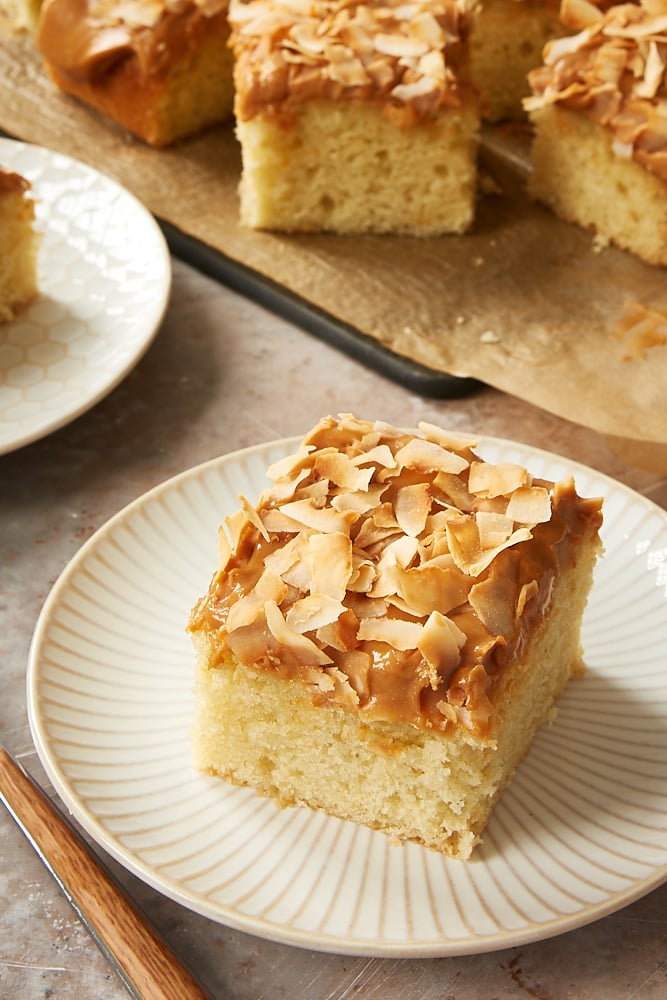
(161, 70)
(599, 109)
(355, 117)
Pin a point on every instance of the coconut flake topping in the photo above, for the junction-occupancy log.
(408, 55)
(406, 605)
(614, 70)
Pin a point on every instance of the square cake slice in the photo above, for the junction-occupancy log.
(354, 117)
(161, 70)
(18, 245)
(599, 110)
(388, 629)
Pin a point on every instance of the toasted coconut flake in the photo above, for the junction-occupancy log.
(559, 47)
(529, 505)
(246, 611)
(307, 514)
(379, 455)
(276, 522)
(346, 694)
(527, 593)
(426, 456)
(412, 507)
(494, 600)
(653, 73)
(496, 480)
(464, 544)
(291, 464)
(579, 14)
(249, 609)
(394, 631)
(494, 528)
(285, 487)
(359, 501)
(400, 45)
(340, 634)
(398, 554)
(296, 646)
(357, 664)
(365, 606)
(446, 439)
(448, 711)
(330, 559)
(440, 643)
(362, 575)
(318, 492)
(313, 612)
(322, 680)
(235, 524)
(409, 92)
(454, 491)
(431, 587)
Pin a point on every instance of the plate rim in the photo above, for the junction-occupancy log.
(152, 325)
(227, 914)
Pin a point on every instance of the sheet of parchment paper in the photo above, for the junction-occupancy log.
(524, 302)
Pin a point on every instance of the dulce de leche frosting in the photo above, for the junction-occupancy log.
(408, 56)
(85, 39)
(614, 71)
(396, 575)
(13, 183)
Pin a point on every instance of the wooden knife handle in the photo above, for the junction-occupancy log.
(142, 958)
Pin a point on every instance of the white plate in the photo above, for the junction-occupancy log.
(104, 276)
(581, 832)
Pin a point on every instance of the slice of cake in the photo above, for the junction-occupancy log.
(388, 629)
(160, 68)
(18, 245)
(354, 117)
(506, 42)
(599, 108)
(22, 14)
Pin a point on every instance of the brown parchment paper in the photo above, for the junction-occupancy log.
(524, 303)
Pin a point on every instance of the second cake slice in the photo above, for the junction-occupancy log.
(354, 118)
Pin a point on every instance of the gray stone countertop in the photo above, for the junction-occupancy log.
(222, 374)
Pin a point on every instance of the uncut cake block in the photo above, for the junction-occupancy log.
(160, 69)
(18, 245)
(354, 117)
(599, 110)
(388, 629)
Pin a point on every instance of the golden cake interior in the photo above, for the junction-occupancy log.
(506, 43)
(388, 629)
(18, 245)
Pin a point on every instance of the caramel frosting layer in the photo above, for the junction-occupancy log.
(613, 69)
(407, 55)
(13, 183)
(85, 39)
(396, 575)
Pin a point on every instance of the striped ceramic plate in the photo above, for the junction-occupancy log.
(581, 832)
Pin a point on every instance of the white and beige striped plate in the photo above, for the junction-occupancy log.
(581, 832)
